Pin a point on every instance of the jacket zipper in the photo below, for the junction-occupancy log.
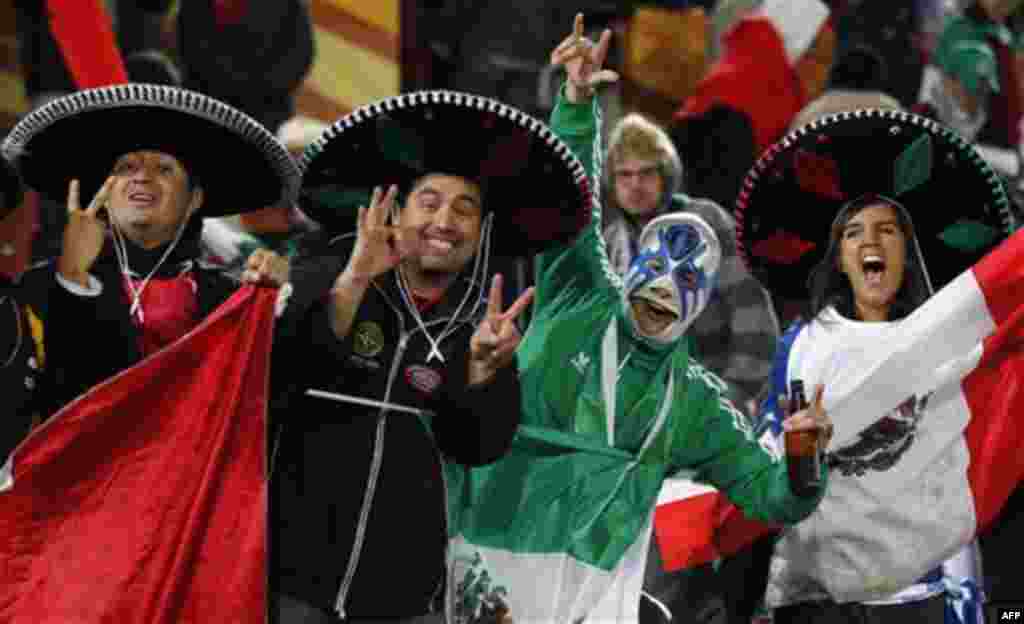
(377, 461)
(371, 484)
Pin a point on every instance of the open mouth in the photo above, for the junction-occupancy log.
(438, 246)
(142, 197)
(874, 269)
(659, 312)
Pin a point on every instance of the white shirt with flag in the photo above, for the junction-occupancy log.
(900, 488)
(925, 453)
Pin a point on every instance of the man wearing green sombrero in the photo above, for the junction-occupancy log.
(414, 352)
(137, 166)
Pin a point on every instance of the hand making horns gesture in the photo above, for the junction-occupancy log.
(583, 61)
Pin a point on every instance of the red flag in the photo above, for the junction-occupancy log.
(144, 501)
(696, 524)
(87, 42)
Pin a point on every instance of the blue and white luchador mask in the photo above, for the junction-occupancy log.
(675, 269)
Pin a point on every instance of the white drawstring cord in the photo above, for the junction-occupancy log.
(121, 250)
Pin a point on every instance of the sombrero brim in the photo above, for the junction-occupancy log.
(240, 164)
(536, 187)
(791, 196)
(10, 188)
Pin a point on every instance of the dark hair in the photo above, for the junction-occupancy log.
(403, 195)
(828, 286)
(861, 68)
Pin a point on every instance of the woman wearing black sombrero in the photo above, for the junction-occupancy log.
(20, 346)
(866, 214)
(416, 194)
(138, 166)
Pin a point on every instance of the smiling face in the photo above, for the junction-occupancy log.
(873, 255)
(670, 280)
(151, 197)
(447, 212)
(654, 310)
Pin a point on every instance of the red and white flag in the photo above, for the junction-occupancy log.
(963, 349)
(144, 501)
(760, 55)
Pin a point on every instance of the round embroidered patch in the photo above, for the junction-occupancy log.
(424, 379)
(368, 339)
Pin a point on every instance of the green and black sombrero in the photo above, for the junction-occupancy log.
(10, 188)
(240, 164)
(793, 193)
(536, 187)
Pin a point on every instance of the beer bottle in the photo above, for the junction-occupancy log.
(803, 459)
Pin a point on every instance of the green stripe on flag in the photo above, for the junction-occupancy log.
(555, 493)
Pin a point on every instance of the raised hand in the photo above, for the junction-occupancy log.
(266, 268)
(380, 246)
(813, 418)
(84, 234)
(495, 340)
(583, 61)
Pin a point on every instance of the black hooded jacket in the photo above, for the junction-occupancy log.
(358, 499)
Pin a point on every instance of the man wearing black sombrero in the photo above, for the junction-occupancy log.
(138, 166)
(20, 346)
(409, 357)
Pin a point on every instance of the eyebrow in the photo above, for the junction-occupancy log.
(857, 224)
(637, 170)
(462, 196)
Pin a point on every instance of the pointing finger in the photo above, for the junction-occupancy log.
(100, 199)
(818, 402)
(602, 47)
(73, 204)
(494, 300)
(519, 305)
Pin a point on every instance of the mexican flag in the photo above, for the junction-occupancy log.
(549, 533)
(144, 501)
(962, 348)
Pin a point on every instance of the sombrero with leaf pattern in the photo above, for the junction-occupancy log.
(793, 193)
(536, 187)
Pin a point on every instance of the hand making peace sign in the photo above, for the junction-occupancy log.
(495, 340)
(84, 233)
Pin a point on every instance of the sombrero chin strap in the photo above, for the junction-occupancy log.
(121, 250)
(480, 267)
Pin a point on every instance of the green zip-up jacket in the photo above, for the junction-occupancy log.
(584, 371)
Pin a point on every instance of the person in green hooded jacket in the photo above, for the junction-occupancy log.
(605, 361)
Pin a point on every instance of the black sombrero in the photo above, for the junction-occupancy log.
(240, 164)
(793, 193)
(536, 187)
(10, 188)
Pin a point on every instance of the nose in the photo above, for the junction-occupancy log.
(145, 171)
(445, 217)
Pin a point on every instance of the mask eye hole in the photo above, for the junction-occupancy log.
(681, 240)
(655, 265)
(688, 278)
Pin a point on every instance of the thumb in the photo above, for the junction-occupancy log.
(602, 77)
